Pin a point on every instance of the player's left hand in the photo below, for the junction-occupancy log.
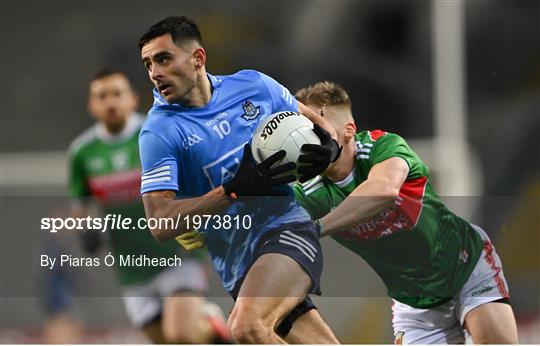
(318, 157)
(191, 240)
(260, 179)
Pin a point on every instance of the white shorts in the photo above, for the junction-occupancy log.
(444, 324)
(144, 302)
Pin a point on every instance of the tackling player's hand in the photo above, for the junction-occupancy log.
(317, 158)
(260, 179)
(191, 240)
(320, 227)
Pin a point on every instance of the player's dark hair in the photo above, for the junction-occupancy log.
(324, 94)
(181, 28)
(108, 71)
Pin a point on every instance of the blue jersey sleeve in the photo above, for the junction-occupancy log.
(159, 163)
(282, 99)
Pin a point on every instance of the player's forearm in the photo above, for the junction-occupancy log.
(365, 203)
(166, 207)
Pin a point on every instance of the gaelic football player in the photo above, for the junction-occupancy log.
(165, 302)
(377, 200)
(194, 161)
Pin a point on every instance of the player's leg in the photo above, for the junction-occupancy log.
(437, 325)
(492, 323)
(144, 311)
(288, 265)
(274, 285)
(154, 332)
(61, 328)
(484, 300)
(143, 308)
(187, 317)
(184, 321)
(310, 328)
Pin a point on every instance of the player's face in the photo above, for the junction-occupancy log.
(172, 69)
(111, 101)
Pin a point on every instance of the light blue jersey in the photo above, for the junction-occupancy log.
(194, 150)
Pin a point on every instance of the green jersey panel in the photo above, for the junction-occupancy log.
(420, 249)
(107, 169)
(388, 145)
(77, 183)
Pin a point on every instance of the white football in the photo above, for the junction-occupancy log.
(283, 131)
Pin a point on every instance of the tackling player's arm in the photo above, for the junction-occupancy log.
(375, 194)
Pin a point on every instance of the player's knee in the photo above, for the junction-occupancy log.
(246, 328)
(492, 323)
(494, 335)
(248, 332)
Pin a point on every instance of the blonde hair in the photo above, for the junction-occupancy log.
(324, 94)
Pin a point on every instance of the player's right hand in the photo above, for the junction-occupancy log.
(191, 240)
(316, 158)
(260, 179)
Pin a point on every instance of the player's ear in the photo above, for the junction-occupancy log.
(199, 55)
(348, 131)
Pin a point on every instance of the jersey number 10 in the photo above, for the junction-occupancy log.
(223, 128)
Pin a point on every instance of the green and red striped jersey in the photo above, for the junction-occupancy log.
(421, 250)
(107, 169)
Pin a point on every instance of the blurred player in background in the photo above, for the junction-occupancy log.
(165, 302)
(196, 162)
(62, 325)
(442, 272)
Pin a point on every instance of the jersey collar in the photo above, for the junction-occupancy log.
(347, 180)
(133, 124)
(215, 81)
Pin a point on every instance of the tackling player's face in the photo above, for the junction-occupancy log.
(173, 70)
(111, 101)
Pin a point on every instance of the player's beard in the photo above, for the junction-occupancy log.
(117, 125)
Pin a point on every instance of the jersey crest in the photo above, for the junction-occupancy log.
(250, 110)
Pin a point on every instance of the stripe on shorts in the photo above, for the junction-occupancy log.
(488, 247)
(289, 238)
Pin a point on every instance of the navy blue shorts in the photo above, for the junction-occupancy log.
(299, 241)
